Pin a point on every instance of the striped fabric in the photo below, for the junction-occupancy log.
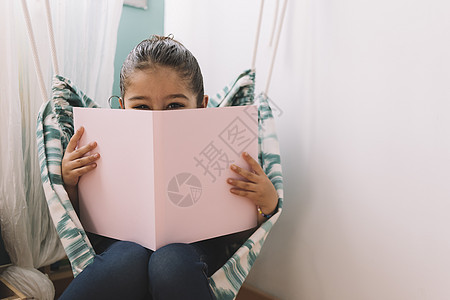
(227, 281)
(55, 128)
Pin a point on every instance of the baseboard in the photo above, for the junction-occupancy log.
(248, 292)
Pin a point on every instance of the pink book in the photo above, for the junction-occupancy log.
(161, 177)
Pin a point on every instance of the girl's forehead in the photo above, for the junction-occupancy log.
(157, 77)
(156, 82)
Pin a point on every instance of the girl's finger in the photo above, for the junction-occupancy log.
(83, 170)
(83, 161)
(74, 140)
(80, 152)
(244, 173)
(246, 194)
(253, 163)
(243, 185)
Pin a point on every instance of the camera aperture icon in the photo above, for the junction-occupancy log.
(184, 189)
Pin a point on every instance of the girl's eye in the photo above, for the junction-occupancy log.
(174, 105)
(143, 106)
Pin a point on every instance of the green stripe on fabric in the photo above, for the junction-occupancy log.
(220, 293)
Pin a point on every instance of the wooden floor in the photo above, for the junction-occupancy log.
(247, 292)
(8, 292)
(61, 279)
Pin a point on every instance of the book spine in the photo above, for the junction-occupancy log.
(159, 176)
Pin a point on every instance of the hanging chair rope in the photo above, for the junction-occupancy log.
(274, 54)
(37, 64)
(258, 30)
(275, 17)
(51, 37)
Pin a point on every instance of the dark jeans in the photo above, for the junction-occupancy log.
(126, 270)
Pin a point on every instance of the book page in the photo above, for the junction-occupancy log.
(193, 152)
(117, 198)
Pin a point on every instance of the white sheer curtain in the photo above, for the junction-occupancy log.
(86, 36)
(85, 33)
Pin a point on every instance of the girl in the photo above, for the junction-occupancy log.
(159, 74)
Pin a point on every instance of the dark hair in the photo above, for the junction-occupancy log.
(165, 52)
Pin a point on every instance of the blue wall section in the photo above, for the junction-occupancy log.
(136, 25)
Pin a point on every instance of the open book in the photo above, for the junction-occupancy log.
(161, 177)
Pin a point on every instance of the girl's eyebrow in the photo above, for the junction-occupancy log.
(174, 96)
(137, 98)
(168, 97)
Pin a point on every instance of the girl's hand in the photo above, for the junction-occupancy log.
(74, 163)
(258, 188)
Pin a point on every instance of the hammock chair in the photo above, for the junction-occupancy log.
(55, 128)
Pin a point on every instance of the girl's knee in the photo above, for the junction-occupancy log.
(128, 247)
(174, 261)
(120, 272)
(176, 270)
(128, 254)
(167, 257)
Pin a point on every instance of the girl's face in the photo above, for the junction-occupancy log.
(159, 88)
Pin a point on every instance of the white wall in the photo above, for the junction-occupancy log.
(364, 87)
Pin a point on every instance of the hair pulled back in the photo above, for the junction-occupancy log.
(161, 51)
